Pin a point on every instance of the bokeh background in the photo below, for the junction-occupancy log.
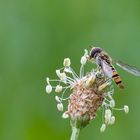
(35, 37)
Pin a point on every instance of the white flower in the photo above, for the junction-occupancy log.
(65, 115)
(103, 127)
(66, 62)
(48, 88)
(112, 120)
(58, 88)
(60, 106)
(126, 109)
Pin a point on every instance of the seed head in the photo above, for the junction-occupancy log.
(88, 93)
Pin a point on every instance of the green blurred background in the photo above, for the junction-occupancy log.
(35, 36)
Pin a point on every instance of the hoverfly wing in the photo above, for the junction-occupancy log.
(131, 69)
(107, 69)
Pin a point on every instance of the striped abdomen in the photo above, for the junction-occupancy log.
(116, 78)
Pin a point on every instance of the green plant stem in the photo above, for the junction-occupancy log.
(75, 133)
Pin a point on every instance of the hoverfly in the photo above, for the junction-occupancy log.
(105, 63)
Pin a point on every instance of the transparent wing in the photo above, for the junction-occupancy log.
(106, 69)
(131, 69)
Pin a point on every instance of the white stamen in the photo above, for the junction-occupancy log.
(108, 112)
(58, 73)
(48, 88)
(48, 80)
(75, 76)
(107, 116)
(58, 99)
(67, 70)
(112, 120)
(86, 52)
(109, 96)
(58, 88)
(103, 127)
(83, 60)
(60, 106)
(65, 115)
(126, 109)
(104, 103)
(62, 75)
(112, 103)
(67, 62)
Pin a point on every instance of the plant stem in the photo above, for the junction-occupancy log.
(75, 133)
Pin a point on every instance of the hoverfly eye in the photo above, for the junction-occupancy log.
(94, 52)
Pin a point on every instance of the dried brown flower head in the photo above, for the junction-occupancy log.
(89, 92)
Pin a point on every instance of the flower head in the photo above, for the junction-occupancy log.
(88, 93)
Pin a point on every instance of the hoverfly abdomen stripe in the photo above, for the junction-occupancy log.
(118, 82)
(117, 79)
(115, 75)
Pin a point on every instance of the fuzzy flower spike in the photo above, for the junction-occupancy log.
(88, 93)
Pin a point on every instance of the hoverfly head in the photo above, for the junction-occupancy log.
(94, 52)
